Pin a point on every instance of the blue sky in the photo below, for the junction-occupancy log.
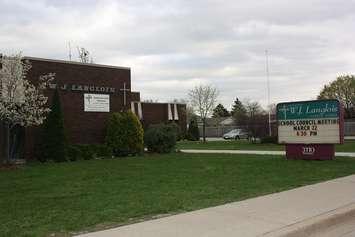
(172, 46)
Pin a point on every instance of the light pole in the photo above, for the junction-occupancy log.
(268, 88)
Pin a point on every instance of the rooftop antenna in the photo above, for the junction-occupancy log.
(69, 50)
(268, 87)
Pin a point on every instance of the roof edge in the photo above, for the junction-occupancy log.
(143, 102)
(75, 63)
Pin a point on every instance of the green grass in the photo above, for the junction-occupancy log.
(40, 199)
(228, 145)
(348, 146)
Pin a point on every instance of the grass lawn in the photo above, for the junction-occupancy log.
(40, 199)
(348, 146)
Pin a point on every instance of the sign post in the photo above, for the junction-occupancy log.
(310, 128)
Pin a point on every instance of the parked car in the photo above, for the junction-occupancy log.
(236, 134)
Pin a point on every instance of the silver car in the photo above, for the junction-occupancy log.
(236, 134)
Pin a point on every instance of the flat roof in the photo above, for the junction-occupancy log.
(76, 63)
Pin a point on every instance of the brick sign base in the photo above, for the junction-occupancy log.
(310, 151)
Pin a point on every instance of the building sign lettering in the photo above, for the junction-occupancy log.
(308, 150)
(309, 122)
(96, 103)
(84, 88)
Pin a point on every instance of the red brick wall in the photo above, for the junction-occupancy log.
(154, 113)
(89, 127)
(81, 127)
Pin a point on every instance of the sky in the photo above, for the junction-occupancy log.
(172, 46)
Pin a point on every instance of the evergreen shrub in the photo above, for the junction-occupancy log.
(73, 153)
(53, 143)
(193, 134)
(124, 134)
(160, 138)
(87, 151)
(177, 130)
(101, 150)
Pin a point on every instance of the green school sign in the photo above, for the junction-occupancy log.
(308, 110)
(309, 122)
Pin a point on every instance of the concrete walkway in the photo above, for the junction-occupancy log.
(324, 209)
(346, 154)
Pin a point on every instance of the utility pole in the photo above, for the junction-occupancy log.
(268, 88)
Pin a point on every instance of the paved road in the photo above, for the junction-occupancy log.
(253, 152)
(324, 209)
(350, 234)
(215, 139)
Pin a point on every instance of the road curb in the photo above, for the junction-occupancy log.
(253, 152)
(318, 225)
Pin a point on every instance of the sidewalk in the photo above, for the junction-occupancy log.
(221, 138)
(346, 154)
(324, 209)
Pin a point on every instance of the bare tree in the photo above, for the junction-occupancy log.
(253, 108)
(21, 103)
(190, 114)
(257, 119)
(203, 99)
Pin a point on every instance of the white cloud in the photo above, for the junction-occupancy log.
(173, 45)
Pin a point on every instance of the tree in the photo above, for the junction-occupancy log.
(21, 103)
(53, 141)
(124, 134)
(190, 113)
(253, 108)
(343, 89)
(239, 112)
(257, 119)
(193, 134)
(160, 138)
(219, 111)
(203, 99)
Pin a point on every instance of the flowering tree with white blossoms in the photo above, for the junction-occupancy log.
(21, 103)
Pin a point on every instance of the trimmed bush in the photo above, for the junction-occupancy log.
(160, 138)
(177, 130)
(87, 152)
(102, 150)
(73, 153)
(124, 134)
(193, 134)
(53, 142)
(269, 139)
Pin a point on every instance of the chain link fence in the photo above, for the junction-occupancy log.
(218, 131)
(349, 128)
